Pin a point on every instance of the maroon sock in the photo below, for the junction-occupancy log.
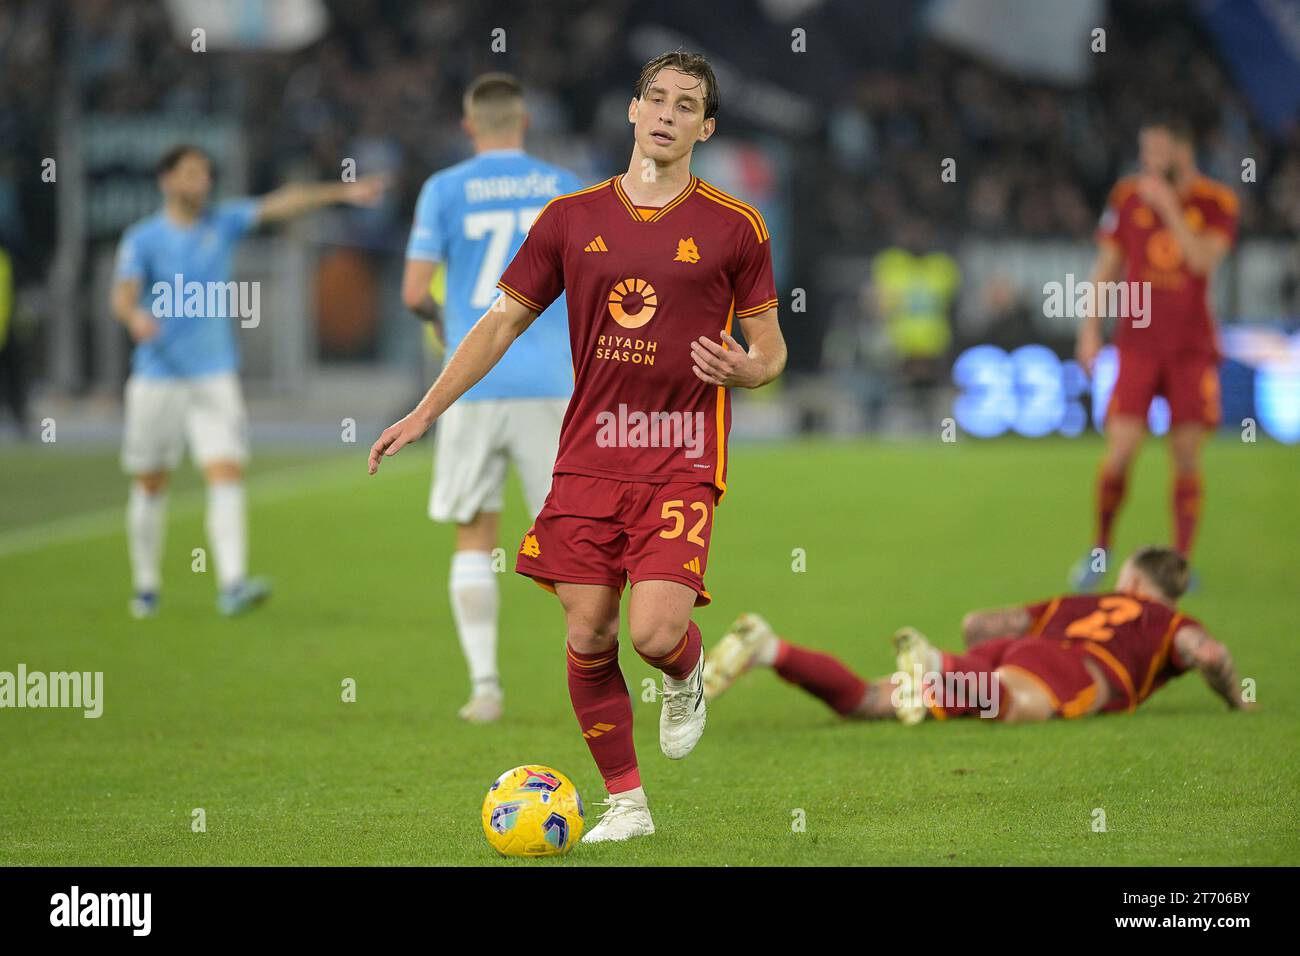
(1110, 495)
(822, 676)
(604, 709)
(1187, 510)
(681, 660)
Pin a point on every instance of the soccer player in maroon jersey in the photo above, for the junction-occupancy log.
(655, 264)
(1068, 657)
(1168, 226)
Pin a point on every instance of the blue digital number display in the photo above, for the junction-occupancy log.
(1032, 392)
(1277, 400)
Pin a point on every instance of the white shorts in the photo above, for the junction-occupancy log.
(163, 413)
(473, 444)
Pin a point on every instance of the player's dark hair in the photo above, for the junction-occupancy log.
(493, 88)
(692, 64)
(1174, 123)
(1166, 568)
(171, 159)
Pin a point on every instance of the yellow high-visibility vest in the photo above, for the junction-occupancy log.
(916, 294)
(6, 295)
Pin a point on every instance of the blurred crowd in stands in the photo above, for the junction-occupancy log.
(384, 84)
(1032, 160)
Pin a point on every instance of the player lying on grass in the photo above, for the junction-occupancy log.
(1067, 657)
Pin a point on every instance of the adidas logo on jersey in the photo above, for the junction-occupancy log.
(692, 565)
(596, 245)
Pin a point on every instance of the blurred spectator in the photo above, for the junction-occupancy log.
(13, 373)
(1010, 324)
(914, 289)
(859, 356)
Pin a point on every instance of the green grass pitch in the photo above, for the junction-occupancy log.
(245, 719)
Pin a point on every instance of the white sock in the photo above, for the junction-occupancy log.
(766, 655)
(636, 794)
(474, 602)
(227, 525)
(146, 527)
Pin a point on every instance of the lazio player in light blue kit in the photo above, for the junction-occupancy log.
(472, 218)
(172, 290)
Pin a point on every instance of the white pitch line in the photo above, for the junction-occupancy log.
(280, 485)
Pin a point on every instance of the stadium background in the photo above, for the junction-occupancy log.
(842, 146)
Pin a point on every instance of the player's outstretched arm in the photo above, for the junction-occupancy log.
(729, 365)
(297, 199)
(1212, 659)
(481, 349)
(1109, 267)
(998, 622)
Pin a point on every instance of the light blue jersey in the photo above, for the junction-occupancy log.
(473, 216)
(195, 339)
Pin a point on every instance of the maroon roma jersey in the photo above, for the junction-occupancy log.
(1131, 638)
(1180, 315)
(642, 285)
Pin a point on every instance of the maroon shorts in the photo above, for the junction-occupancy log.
(1190, 382)
(604, 531)
(1055, 666)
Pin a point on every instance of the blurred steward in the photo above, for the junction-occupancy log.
(13, 378)
(1009, 321)
(914, 292)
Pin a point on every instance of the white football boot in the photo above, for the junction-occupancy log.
(914, 654)
(735, 654)
(484, 707)
(681, 720)
(627, 816)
